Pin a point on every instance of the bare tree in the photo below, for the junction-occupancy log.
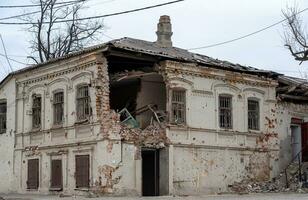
(295, 34)
(51, 39)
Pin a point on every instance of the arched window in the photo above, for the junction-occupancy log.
(253, 114)
(225, 111)
(83, 102)
(36, 111)
(178, 106)
(58, 107)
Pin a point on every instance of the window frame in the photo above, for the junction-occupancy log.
(87, 105)
(174, 103)
(224, 125)
(56, 104)
(36, 108)
(257, 127)
(3, 117)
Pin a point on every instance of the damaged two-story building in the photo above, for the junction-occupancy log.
(132, 117)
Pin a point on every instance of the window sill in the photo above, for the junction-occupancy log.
(57, 126)
(35, 130)
(55, 189)
(85, 121)
(82, 189)
(254, 131)
(32, 190)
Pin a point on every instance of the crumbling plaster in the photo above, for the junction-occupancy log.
(200, 155)
(201, 138)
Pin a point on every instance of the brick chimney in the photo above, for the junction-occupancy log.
(164, 32)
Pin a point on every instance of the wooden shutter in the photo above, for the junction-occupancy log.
(33, 174)
(56, 174)
(304, 130)
(82, 171)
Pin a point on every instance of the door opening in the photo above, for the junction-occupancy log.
(304, 135)
(150, 172)
(56, 175)
(33, 174)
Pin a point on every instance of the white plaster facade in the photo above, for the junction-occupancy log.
(200, 158)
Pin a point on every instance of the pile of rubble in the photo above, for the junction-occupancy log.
(152, 136)
(277, 184)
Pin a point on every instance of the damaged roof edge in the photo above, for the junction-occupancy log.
(152, 49)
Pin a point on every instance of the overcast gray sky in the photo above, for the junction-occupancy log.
(195, 23)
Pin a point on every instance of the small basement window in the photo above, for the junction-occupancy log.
(253, 115)
(3, 117)
(36, 112)
(225, 111)
(83, 103)
(58, 104)
(178, 106)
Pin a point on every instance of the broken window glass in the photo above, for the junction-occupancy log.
(178, 107)
(253, 115)
(58, 104)
(225, 111)
(2, 117)
(83, 103)
(36, 112)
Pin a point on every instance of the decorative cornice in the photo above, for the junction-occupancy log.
(53, 75)
(172, 67)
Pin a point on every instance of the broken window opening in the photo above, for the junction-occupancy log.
(83, 103)
(178, 106)
(253, 115)
(58, 105)
(3, 110)
(225, 111)
(137, 91)
(36, 112)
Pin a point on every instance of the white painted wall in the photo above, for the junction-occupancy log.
(7, 139)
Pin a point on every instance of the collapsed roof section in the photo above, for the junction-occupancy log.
(292, 89)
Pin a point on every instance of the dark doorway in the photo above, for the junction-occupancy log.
(304, 130)
(150, 172)
(56, 174)
(33, 174)
(82, 174)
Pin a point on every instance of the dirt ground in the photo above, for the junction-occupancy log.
(281, 196)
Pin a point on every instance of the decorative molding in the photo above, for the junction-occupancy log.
(181, 80)
(53, 75)
(202, 93)
(195, 71)
(83, 150)
(57, 153)
(229, 86)
(254, 90)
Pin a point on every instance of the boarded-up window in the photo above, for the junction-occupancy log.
(56, 174)
(83, 103)
(58, 104)
(178, 101)
(36, 112)
(33, 174)
(253, 115)
(225, 111)
(2, 117)
(82, 174)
